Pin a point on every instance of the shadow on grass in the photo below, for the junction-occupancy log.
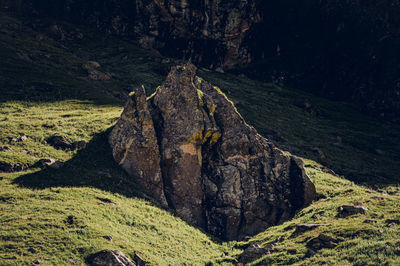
(93, 166)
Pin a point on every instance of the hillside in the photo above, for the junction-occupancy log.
(60, 216)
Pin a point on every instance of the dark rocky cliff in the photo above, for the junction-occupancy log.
(193, 151)
(346, 50)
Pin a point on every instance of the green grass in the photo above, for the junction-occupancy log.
(50, 95)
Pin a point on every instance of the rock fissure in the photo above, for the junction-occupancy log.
(191, 149)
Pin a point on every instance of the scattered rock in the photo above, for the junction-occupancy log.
(44, 163)
(302, 228)
(79, 145)
(19, 139)
(32, 250)
(12, 167)
(253, 252)
(348, 210)
(378, 198)
(192, 150)
(110, 257)
(98, 75)
(70, 220)
(37, 262)
(90, 65)
(56, 165)
(6, 149)
(392, 222)
(108, 238)
(322, 241)
(107, 201)
(72, 261)
(139, 260)
(59, 142)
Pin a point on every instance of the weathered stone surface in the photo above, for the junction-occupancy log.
(110, 258)
(348, 210)
(322, 241)
(12, 167)
(59, 142)
(44, 163)
(189, 146)
(302, 228)
(253, 252)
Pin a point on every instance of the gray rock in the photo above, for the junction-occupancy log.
(188, 145)
(301, 228)
(79, 145)
(5, 149)
(322, 241)
(110, 258)
(348, 210)
(44, 163)
(12, 167)
(253, 252)
(59, 142)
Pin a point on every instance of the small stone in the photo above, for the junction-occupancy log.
(72, 261)
(322, 241)
(301, 228)
(23, 138)
(37, 262)
(56, 165)
(44, 163)
(6, 149)
(11, 167)
(32, 250)
(252, 253)
(110, 257)
(91, 65)
(79, 145)
(59, 142)
(108, 238)
(378, 198)
(348, 210)
(392, 221)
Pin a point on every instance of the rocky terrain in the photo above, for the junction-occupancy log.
(188, 145)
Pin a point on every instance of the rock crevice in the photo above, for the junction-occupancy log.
(189, 147)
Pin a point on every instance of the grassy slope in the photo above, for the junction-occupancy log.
(47, 95)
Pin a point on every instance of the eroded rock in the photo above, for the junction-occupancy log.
(110, 257)
(189, 146)
(348, 210)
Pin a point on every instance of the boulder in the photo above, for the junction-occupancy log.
(12, 167)
(189, 147)
(253, 252)
(348, 210)
(59, 142)
(110, 258)
(302, 228)
(322, 241)
(44, 163)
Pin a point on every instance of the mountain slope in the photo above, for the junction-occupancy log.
(59, 216)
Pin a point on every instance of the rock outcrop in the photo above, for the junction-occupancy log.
(188, 145)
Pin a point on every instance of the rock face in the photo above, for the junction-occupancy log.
(189, 146)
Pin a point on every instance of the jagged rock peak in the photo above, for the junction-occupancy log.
(189, 147)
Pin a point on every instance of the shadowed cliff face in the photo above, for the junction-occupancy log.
(188, 146)
(346, 50)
